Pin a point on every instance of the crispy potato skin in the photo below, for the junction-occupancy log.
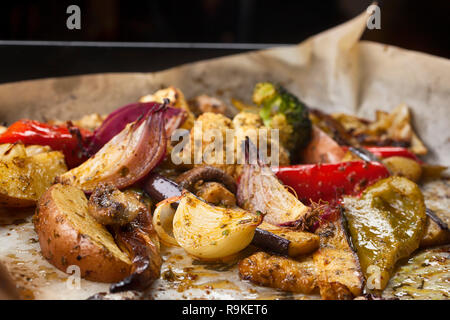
(62, 245)
(279, 272)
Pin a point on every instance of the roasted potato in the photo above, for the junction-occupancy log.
(26, 172)
(404, 167)
(69, 235)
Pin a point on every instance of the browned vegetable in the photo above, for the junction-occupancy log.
(285, 241)
(260, 191)
(216, 193)
(204, 103)
(126, 158)
(339, 273)
(436, 233)
(188, 179)
(109, 206)
(139, 238)
(26, 172)
(279, 272)
(69, 235)
(404, 167)
(160, 188)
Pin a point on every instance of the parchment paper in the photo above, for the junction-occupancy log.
(332, 71)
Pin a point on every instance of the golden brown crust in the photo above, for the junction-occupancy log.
(434, 235)
(279, 272)
(63, 245)
(339, 273)
(24, 179)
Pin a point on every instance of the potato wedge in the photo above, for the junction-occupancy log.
(68, 235)
(404, 167)
(25, 177)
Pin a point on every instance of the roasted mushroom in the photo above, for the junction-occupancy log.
(109, 206)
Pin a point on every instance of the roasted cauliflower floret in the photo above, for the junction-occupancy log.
(209, 126)
(176, 98)
(247, 119)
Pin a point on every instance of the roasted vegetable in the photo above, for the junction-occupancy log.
(259, 190)
(205, 103)
(163, 220)
(118, 120)
(321, 149)
(328, 182)
(215, 193)
(176, 99)
(27, 173)
(404, 167)
(339, 274)
(109, 206)
(436, 233)
(127, 158)
(160, 188)
(211, 232)
(65, 138)
(140, 240)
(331, 127)
(279, 272)
(386, 224)
(389, 129)
(188, 179)
(69, 235)
(284, 111)
(284, 240)
(424, 276)
(387, 152)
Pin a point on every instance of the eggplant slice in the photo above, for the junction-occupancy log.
(140, 240)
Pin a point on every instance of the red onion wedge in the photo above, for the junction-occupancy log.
(118, 119)
(259, 190)
(126, 158)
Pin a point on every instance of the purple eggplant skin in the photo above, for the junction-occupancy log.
(160, 188)
(271, 242)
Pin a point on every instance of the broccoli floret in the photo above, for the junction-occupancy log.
(275, 101)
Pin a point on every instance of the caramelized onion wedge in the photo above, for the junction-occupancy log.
(118, 119)
(210, 232)
(163, 220)
(260, 190)
(127, 158)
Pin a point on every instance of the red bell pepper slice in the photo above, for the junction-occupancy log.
(328, 182)
(386, 152)
(70, 141)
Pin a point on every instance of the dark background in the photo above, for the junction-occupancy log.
(415, 25)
